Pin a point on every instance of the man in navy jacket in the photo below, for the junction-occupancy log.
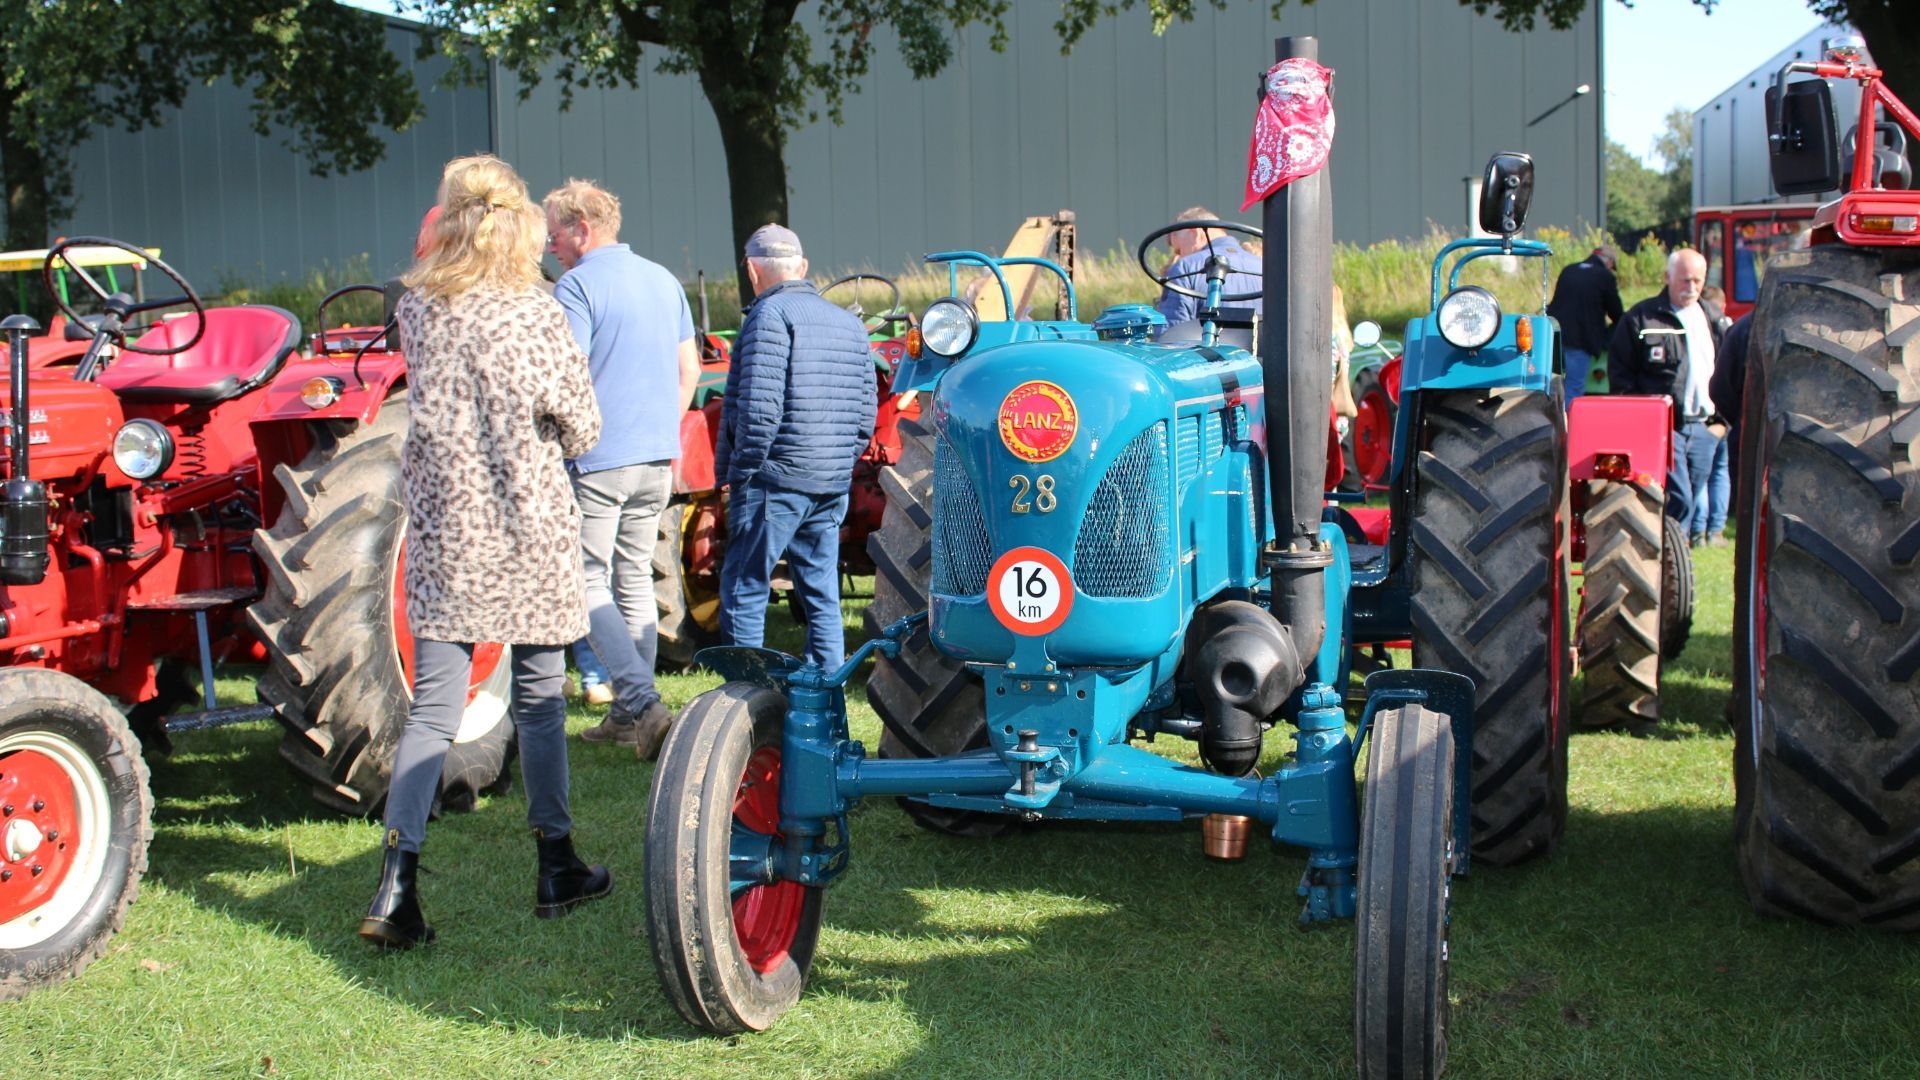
(799, 410)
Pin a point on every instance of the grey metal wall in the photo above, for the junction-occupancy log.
(224, 204)
(1126, 131)
(1730, 163)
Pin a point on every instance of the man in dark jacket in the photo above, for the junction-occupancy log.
(798, 411)
(1667, 344)
(1586, 301)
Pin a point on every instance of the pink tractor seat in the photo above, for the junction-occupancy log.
(243, 347)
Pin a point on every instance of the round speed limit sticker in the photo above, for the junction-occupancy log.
(1030, 591)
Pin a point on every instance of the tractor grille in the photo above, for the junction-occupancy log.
(962, 551)
(1203, 438)
(1122, 548)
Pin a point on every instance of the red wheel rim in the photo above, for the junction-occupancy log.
(766, 918)
(486, 654)
(1373, 437)
(39, 833)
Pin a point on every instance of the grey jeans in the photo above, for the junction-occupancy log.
(440, 676)
(619, 522)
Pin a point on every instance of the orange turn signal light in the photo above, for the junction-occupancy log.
(1890, 224)
(1612, 467)
(1523, 333)
(913, 342)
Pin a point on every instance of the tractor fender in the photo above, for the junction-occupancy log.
(361, 391)
(1638, 429)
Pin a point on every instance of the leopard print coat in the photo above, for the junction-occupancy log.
(500, 397)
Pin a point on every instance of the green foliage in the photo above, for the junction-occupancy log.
(302, 295)
(319, 71)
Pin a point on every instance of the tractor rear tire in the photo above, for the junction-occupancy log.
(1620, 608)
(71, 771)
(680, 633)
(1405, 870)
(1676, 590)
(931, 706)
(1490, 550)
(329, 617)
(1827, 598)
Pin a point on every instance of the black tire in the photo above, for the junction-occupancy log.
(1676, 590)
(1620, 604)
(328, 620)
(66, 755)
(1827, 660)
(681, 634)
(931, 706)
(1406, 865)
(1489, 570)
(713, 980)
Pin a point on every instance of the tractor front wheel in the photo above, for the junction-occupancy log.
(334, 623)
(1490, 577)
(1406, 865)
(1676, 590)
(1826, 702)
(730, 959)
(79, 816)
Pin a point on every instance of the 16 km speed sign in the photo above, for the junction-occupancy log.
(1030, 591)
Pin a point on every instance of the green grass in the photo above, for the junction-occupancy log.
(1061, 951)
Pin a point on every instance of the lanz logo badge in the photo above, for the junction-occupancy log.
(1038, 421)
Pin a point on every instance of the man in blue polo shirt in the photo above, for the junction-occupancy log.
(630, 316)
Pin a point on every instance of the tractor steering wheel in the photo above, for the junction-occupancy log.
(892, 314)
(119, 306)
(1167, 282)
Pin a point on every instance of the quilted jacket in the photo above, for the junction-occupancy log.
(800, 394)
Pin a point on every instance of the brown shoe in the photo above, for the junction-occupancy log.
(652, 730)
(617, 728)
(598, 694)
(1717, 540)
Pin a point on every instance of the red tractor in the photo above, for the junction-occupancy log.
(1826, 702)
(141, 479)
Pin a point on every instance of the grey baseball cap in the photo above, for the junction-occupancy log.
(773, 242)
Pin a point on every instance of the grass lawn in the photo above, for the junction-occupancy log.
(1060, 951)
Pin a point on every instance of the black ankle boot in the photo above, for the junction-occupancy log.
(564, 880)
(393, 919)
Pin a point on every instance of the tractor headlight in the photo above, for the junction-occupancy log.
(143, 449)
(1469, 317)
(321, 391)
(949, 327)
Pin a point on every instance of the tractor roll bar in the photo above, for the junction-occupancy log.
(953, 259)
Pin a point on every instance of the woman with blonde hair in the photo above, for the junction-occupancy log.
(499, 396)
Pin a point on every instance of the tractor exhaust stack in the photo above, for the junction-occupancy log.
(23, 501)
(1295, 342)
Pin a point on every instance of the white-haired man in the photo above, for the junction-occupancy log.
(1666, 344)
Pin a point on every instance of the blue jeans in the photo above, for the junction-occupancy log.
(1579, 364)
(592, 671)
(1698, 487)
(764, 523)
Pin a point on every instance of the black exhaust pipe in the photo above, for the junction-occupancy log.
(1296, 332)
(23, 501)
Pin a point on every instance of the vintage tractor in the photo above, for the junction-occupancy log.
(1128, 538)
(1826, 702)
(1366, 443)
(136, 481)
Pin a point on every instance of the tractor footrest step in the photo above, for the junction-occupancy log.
(204, 600)
(212, 718)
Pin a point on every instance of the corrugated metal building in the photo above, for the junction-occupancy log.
(1730, 132)
(1126, 131)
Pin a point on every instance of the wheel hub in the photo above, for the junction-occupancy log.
(40, 831)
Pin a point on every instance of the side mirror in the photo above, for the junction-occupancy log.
(1366, 334)
(1803, 138)
(1505, 192)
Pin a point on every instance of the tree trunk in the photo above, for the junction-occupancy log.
(24, 183)
(755, 142)
(1893, 37)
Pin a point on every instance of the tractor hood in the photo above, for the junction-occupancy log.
(1065, 508)
(69, 425)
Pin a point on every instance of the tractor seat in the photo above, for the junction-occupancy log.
(1235, 326)
(242, 348)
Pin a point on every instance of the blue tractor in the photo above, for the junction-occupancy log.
(1125, 536)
